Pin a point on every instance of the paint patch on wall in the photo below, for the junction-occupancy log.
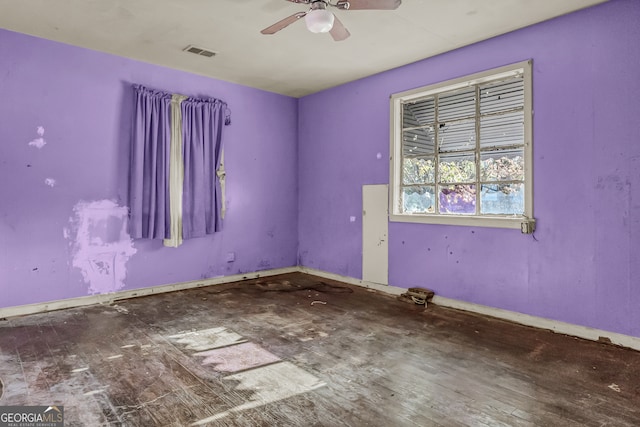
(100, 244)
(40, 141)
(50, 182)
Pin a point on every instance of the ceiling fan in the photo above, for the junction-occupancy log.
(321, 20)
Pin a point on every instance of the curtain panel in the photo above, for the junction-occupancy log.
(174, 191)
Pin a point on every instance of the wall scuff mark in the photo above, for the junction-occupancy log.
(100, 244)
(40, 141)
(50, 182)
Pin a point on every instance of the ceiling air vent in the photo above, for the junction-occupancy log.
(199, 51)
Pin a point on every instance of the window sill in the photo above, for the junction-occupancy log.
(518, 223)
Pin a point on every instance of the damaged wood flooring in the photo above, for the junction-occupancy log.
(297, 350)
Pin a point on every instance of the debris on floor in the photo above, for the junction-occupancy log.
(418, 296)
(615, 387)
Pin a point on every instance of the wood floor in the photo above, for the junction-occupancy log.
(296, 350)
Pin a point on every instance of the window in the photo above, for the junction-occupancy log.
(461, 151)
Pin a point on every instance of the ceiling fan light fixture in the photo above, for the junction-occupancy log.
(319, 20)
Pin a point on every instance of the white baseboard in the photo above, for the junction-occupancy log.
(109, 298)
(512, 316)
(542, 323)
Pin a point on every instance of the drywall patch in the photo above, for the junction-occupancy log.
(50, 182)
(40, 141)
(100, 244)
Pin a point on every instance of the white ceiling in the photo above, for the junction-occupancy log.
(292, 62)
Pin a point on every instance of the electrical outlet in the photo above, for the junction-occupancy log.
(528, 227)
(231, 256)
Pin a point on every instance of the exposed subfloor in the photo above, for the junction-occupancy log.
(297, 350)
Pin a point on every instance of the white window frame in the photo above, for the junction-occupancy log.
(526, 222)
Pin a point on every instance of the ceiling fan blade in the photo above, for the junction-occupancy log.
(338, 31)
(369, 4)
(283, 23)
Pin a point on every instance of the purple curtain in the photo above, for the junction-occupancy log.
(202, 121)
(149, 167)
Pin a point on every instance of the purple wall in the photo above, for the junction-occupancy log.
(64, 129)
(584, 267)
(64, 135)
